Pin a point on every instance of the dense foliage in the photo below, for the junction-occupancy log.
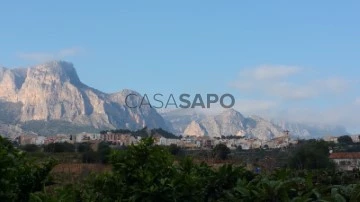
(221, 151)
(345, 139)
(147, 172)
(30, 148)
(59, 147)
(311, 154)
(19, 176)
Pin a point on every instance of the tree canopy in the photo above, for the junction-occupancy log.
(19, 176)
(345, 139)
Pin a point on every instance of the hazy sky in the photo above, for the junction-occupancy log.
(297, 61)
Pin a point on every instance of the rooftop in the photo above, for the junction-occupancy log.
(345, 155)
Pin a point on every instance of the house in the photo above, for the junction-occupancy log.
(189, 142)
(85, 137)
(346, 160)
(119, 138)
(331, 139)
(27, 139)
(207, 143)
(355, 138)
(40, 140)
(168, 141)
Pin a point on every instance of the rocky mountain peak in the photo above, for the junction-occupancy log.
(53, 92)
(229, 114)
(228, 123)
(134, 98)
(55, 71)
(195, 129)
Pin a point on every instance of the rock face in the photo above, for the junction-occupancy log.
(180, 119)
(264, 129)
(53, 91)
(195, 129)
(231, 122)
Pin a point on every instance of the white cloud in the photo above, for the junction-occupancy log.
(269, 72)
(46, 56)
(283, 82)
(345, 114)
(295, 94)
(333, 84)
(254, 106)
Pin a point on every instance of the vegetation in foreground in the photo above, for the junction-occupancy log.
(19, 175)
(146, 172)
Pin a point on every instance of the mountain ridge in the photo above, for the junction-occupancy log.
(252, 126)
(54, 91)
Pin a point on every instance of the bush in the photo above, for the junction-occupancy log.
(83, 147)
(174, 149)
(146, 172)
(345, 139)
(30, 148)
(90, 157)
(59, 147)
(20, 176)
(221, 151)
(311, 154)
(104, 151)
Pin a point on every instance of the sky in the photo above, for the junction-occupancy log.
(296, 61)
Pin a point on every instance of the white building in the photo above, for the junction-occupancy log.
(346, 160)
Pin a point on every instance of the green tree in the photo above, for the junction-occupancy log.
(174, 149)
(84, 147)
(147, 172)
(90, 157)
(19, 175)
(311, 154)
(104, 152)
(59, 147)
(221, 151)
(30, 148)
(239, 148)
(345, 139)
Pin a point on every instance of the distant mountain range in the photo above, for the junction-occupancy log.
(49, 99)
(307, 130)
(230, 122)
(227, 123)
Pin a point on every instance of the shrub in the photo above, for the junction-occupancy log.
(221, 151)
(19, 176)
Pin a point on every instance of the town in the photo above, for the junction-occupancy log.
(122, 137)
(127, 137)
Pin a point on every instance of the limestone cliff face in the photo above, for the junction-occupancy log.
(53, 91)
(231, 122)
(194, 129)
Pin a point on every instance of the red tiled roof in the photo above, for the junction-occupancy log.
(345, 155)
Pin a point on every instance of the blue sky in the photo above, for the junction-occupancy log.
(296, 61)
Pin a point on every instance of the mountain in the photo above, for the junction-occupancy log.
(179, 119)
(232, 122)
(195, 129)
(53, 93)
(307, 130)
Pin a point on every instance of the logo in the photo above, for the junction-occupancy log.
(184, 101)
